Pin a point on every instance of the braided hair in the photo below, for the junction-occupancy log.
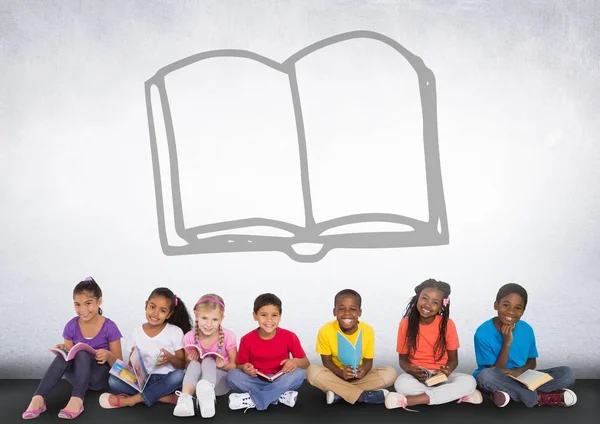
(412, 313)
(210, 302)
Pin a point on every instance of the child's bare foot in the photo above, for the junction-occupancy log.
(36, 403)
(172, 399)
(74, 404)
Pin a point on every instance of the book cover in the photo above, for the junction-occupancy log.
(433, 378)
(134, 374)
(69, 354)
(194, 347)
(362, 182)
(350, 354)
(533, 379)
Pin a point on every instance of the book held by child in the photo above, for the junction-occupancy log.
(532, 379)
(191, 347)
(433, 377)
(134, 374)
(69, 354)
(350, 354)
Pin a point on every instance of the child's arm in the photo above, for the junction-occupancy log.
(413, 370)
(507, 337)
(291, 364)
(346, 373)
(362, 370)
(451, 364)
(111, 355)
(232, 355)
(529, 365)
(178, 360)
(66, 344)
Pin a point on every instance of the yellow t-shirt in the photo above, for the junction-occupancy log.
(327, 341)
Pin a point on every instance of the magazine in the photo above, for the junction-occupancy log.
(134, 374)
(69, 354)
(191, 347)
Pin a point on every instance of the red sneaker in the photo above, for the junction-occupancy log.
(564, 397)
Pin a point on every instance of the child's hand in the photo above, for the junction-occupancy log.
(220, 362)
(514, 372)
(289, 365)
(193, 355)
(61, 346)
(348, 373)
(446, 370)
(249, 369)
(418, 373)
(360, 372)
(165, 356)
(102, 356)
(507, 335)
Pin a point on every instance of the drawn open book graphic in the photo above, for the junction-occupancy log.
(134, 374)
(69, 354)
(533, 379)
(193, 347)
(335, 147)
(350, 354)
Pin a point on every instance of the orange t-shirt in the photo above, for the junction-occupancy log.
(428, 334)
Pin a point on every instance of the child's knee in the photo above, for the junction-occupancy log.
(388, 375)
(567, 376)
(313, 372)
(488, 375)
(405, 383)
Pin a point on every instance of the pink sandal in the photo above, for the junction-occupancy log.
(68, 415)
(33, 413)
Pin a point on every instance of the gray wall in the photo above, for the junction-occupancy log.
(517, 91)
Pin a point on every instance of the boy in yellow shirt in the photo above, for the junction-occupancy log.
(361, 383)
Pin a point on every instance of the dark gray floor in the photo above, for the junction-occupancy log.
(311, 407)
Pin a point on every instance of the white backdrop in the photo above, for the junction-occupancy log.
(517, 92)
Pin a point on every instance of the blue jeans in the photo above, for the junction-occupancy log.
(493, 379)
(158, 385)
(261, 391)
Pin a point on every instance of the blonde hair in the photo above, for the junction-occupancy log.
(210, 302)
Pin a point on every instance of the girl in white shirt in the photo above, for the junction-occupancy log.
(159, 344)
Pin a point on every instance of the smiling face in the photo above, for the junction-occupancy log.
(347, 311)
(86, 306)
(158, 310)
(268, 318)
(208, 320)
(510, 309)
(429, 304)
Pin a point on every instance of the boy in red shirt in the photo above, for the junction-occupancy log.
(267, 350)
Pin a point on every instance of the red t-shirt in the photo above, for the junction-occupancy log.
(265, 355)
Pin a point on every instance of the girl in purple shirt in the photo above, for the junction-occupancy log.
(85, 371)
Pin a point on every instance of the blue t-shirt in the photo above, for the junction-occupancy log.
(488, 344)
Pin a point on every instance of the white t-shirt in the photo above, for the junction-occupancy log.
(170, 338)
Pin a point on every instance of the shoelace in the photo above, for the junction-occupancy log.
(247, 402)
(182, 395)
(550, 399)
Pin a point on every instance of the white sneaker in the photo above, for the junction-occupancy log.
(289, 398)
(396, 400)
(240, 401)
(205, 394)
(185, 405)
(331, 397)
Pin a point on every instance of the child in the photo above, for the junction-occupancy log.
(267, 350)
(505, 345)
(427, 340)
(363, 384)
(210, 336)
(85, 371)
(160, 343)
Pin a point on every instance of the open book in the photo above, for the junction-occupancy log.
(433, 377)
(69, 354)
(533, 379)
(134, 374)
(335, 147)
(271, 378)
(194, 347)
(350, 354)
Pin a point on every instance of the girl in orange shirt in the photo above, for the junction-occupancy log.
(428, 345)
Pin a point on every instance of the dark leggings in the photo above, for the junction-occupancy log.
(83, 372)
